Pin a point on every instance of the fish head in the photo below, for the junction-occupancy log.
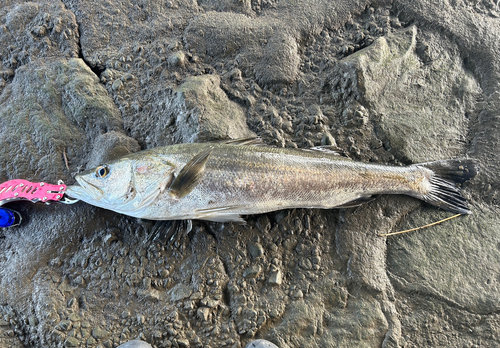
(104, 186)
(124, 185)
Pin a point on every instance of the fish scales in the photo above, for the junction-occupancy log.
(221, 182)
(241, 177)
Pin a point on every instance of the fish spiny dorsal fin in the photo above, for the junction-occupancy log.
(190, 174)
(255, 141)
(330, 149)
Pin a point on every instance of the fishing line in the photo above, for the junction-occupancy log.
(419, 228)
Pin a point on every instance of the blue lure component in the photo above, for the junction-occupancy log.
(7, 217)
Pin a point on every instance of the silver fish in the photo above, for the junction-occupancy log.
(222, 181)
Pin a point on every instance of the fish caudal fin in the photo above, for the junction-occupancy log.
(446, 174)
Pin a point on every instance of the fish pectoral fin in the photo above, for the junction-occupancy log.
(357, 202)
(190, 175)
(219, 214)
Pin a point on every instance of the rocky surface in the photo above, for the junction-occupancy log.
(394, 82)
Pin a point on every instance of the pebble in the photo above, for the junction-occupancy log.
(127, 77)
(276, 277)
(99, 333)
(176, 59)
(117, 85)
(110, 237)
(203, 313)
(305, 263)
(297, 295)
(64, 325)
(33, 321)
(72, 342)
(261, 344)
(85, 332)
(135, 344)
(183, 342)
(74, 317)
(207, 301)
(252, 271)
(255, 249)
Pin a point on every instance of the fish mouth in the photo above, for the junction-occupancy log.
(86, 190)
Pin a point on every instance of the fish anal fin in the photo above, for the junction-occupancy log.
(190, 175)
(226, 218)
(357, 202)
(219, 214)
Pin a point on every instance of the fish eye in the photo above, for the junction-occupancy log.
(101, 171)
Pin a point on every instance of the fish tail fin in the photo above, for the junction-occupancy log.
(445, 175)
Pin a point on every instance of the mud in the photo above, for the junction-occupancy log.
(394, 82)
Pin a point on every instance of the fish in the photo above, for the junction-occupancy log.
(223, 181)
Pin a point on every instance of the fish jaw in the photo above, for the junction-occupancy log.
(85, 191)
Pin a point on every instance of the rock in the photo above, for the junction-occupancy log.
(228, 6)
(454, 266)
(179, 292)
(266, 45)
(418, 134)
(111, 146)
(307, 317)
(150, 294)
(280, 60)
(54, 33)
(209, 114)
(53, 109)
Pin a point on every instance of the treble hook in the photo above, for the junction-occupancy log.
(68, 200)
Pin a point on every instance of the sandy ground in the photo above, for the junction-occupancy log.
(393, 82)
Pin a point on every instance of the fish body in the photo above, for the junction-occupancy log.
(222, 181)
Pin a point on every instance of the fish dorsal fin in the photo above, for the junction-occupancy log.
(255, 141)
(357, 202)
(330, 149)
(190, 175)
